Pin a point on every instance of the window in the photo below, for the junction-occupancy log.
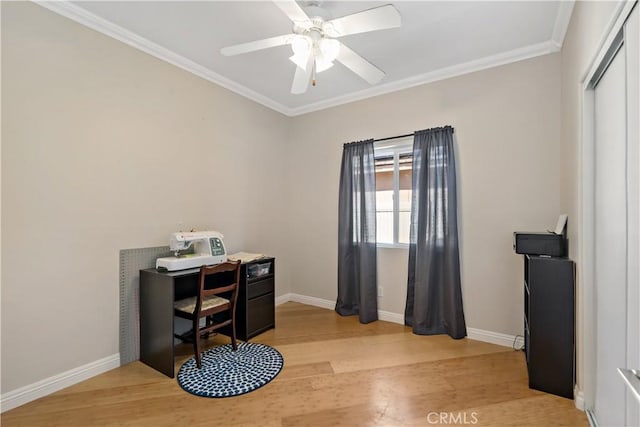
(393, 192)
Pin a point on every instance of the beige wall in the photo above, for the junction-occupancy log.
(586, 32)
(106, 148)
(507, 127)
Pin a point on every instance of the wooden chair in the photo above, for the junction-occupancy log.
(214, 281)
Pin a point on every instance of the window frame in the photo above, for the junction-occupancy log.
(394, 148)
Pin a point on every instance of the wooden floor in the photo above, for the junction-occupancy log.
(337, 373)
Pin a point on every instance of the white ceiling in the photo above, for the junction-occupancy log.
(438, 39)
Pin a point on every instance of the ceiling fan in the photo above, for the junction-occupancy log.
(314, 43)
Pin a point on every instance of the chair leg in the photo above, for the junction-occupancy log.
(196, 341)
(233, 334)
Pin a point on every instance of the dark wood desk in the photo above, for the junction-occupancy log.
(255, 311)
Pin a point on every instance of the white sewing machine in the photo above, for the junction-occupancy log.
(208, 249)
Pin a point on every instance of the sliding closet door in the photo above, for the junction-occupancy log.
(610, 242)
(615, 233)
(632, 52)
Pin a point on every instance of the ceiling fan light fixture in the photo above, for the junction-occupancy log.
(301, 46)
(300, 60)
(322, 64)
(330, 48)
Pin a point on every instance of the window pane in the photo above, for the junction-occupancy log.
(405, 223)
(405, 171)
(384, 227)
(384, 173)
(404, 199)
(384, 216)
(404, 216)
(386, 169)
(384, 201)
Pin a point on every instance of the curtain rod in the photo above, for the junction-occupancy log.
(394, 137)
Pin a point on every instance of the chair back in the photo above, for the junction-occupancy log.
(219, 279)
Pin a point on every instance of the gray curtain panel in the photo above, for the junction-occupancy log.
(357, 262)
(434, 296)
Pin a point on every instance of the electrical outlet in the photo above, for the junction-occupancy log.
(380, 292)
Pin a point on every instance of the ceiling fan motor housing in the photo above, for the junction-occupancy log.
(314, 10)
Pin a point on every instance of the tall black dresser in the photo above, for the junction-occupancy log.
(549, 323)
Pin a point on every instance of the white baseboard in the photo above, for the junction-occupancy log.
(328, 304)
(316, 302)
(282, 299)
(388, 316)
(50, 385)
(472, 333)
(26, 394)
(496, 338)
(578, 397)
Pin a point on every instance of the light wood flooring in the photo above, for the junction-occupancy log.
(337, 373)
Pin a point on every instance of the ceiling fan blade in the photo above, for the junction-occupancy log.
(302, 77)
(379, 18)
(292, 10)
(256, 45)
(359, 65)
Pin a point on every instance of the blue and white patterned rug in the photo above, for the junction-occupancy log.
(227, 373)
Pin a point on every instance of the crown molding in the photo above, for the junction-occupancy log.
(504, 58)
(132, 39)
(563, 18)
(101, 25)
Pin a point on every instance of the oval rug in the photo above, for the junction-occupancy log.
(227, 373)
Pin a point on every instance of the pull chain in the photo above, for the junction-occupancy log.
(313, 73)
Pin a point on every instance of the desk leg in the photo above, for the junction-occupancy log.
(156, 322)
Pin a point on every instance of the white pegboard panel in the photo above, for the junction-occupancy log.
(131, 262)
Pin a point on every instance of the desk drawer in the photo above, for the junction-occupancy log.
(261, 314)
(261, 287)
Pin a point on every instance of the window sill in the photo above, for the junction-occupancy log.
(393, 245)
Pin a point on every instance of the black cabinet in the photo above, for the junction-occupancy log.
(549, 325)
(255, 310)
